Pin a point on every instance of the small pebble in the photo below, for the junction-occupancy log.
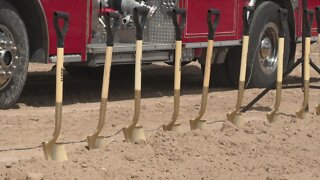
(8, 165)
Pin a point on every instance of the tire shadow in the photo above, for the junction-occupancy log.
(157, 81)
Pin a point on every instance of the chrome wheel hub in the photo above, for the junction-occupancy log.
(8, 56)
(266, 48)
(268, 55)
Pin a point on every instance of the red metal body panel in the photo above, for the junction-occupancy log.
(311, 5)
(76, 38)
(196, 27)
(298, 20)
(230, 27)
(299, 15)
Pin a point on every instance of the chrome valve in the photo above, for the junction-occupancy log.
(127, 6)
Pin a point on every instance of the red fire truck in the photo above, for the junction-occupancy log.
(27, 35)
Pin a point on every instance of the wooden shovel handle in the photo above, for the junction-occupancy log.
(138, 65)
(280, 60)
(106, 75)
(207, 70)
(307, 60)
(59, 75)
(177, 68)
(244, 58)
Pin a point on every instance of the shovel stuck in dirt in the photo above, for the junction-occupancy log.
(318, 25)
(197, 122)
(134, 133)
(173, 126)
(303, 112)
(235, 116)
(53, 150)
(94, 140)
(274, 115)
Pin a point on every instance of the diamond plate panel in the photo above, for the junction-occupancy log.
(159, 28)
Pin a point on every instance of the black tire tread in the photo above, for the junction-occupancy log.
(265, 12)
(11, 19)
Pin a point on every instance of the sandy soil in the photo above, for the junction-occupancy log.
(287, 149)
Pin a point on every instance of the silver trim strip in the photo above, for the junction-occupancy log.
(313, 39)
(129, 59)
(67, 58)
(131, 47)
(216, 44)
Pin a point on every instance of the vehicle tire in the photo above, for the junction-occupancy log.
(263, 46)
(14, 57)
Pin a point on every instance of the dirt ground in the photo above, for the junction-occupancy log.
(287, 149)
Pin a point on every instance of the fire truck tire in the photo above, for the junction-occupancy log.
(263, 45)
(13, 30)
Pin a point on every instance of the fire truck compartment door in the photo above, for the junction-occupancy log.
(197, 28)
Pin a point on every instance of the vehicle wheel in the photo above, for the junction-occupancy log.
(14, 55)
(263, 45)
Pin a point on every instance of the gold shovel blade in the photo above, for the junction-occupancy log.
(302, 114)
(172, 127)
(54, 151)
(199, 124)
(236, 118)
(96, 142)
(134, 134)
(273, 116)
